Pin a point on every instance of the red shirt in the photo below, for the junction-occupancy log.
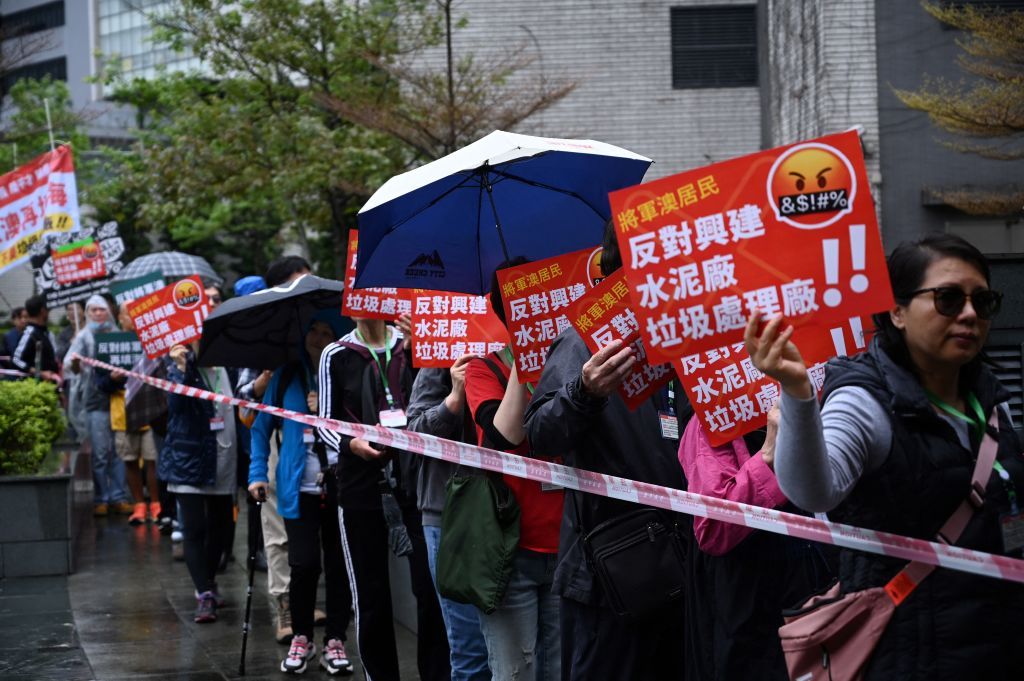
(540, 511)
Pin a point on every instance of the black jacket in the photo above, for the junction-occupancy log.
(954, 625)
(596, 435)
(351, 390)
(189, 453)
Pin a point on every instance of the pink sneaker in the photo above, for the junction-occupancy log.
(300, 652)
(334, 659)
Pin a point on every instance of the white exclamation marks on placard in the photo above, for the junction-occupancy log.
(199, 316)
(832, 296)
(859, 281)
(839, 338)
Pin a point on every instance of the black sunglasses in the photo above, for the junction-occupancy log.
(950, 300)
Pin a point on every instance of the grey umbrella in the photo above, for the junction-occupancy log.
(172, 264)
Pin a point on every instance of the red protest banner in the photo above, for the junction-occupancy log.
(36, 199)
(171, 316)
(732, 398)
(604, 314)
(370, 303)
(446, 326)
(537, 296)
(787, 231)
(78, 261)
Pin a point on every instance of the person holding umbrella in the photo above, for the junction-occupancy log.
(307, 499)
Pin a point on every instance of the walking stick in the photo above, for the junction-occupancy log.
(253, 528)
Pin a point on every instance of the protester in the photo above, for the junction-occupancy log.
(34, 353)
(19, 320)
(198, 462)
(892, 449)
(110, 489)
(740, 579)
(366, 378)
(577, 413)
(307, 500)
(522, 635)
(285, 269)
(74, 314)
(437, 406)
(132, 446)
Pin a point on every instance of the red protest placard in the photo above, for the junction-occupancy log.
(787, 231)
(446, 326)
(731, 397)
(78, 261)
(370, 303)
(605, 314)
(171, 316)
(537, 296)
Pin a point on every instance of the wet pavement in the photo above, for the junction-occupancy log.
(126, 614)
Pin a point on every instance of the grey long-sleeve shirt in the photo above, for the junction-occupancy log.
(820, 455)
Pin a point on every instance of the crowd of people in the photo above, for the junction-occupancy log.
(889, 445)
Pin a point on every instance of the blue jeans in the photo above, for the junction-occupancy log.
(108, 474)
(523, 634)
(462, 622)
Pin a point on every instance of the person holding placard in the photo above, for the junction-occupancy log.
(893, 448)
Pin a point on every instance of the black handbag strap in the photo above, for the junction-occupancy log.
(503, 381)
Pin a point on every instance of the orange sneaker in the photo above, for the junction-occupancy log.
(138, 515)
(154, 511)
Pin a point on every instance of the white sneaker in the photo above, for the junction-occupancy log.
(177, 536)
(300, 652)
(334, 659)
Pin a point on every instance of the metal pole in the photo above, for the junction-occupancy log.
(49, 123)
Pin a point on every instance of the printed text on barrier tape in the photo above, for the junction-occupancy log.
(756, 517)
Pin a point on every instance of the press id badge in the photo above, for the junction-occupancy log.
(1012, 527)
(307, 436)
(393, 418)
(216, 423)
(669, 425)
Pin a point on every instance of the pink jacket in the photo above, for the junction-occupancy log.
(725, 472)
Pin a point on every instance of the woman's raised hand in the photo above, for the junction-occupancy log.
(774, 354)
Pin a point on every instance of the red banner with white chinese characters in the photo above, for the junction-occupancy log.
(788, 231)
(537, 296)
(171, 316)
(38, 198)
(78, 261)
(446, 326)
(605, 314)
(731, 397)
(370, 303)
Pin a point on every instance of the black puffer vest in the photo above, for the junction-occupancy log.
(954, 625)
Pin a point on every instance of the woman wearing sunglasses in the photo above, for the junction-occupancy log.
(893, 447)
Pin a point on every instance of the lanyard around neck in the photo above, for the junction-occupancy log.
(978, 420)
(383, 368)
(216, 380)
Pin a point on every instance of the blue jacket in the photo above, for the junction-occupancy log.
(189, 454)
(291, 462)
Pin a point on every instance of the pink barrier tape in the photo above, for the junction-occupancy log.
(756, 517)
(12, 372)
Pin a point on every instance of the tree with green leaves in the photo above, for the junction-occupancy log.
(262, 151)
(25, 134)
(985, 113)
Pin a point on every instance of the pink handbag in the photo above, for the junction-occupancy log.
(832, 635)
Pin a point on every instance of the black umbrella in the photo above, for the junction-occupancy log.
(263, 330)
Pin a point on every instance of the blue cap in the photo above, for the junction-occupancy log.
(250, 284)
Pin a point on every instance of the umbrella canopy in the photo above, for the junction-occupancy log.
(448, 224)
(172, 264)
(264, 329)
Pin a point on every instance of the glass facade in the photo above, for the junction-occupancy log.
(125, 34)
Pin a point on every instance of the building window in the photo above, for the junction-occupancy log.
(714, 46)
(57, 69)
(40, 18)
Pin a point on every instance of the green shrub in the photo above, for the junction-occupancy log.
(31, 420)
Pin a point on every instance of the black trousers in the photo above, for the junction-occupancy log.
(208, 520)
(597, 644)
(364, 537)
(313, 536)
